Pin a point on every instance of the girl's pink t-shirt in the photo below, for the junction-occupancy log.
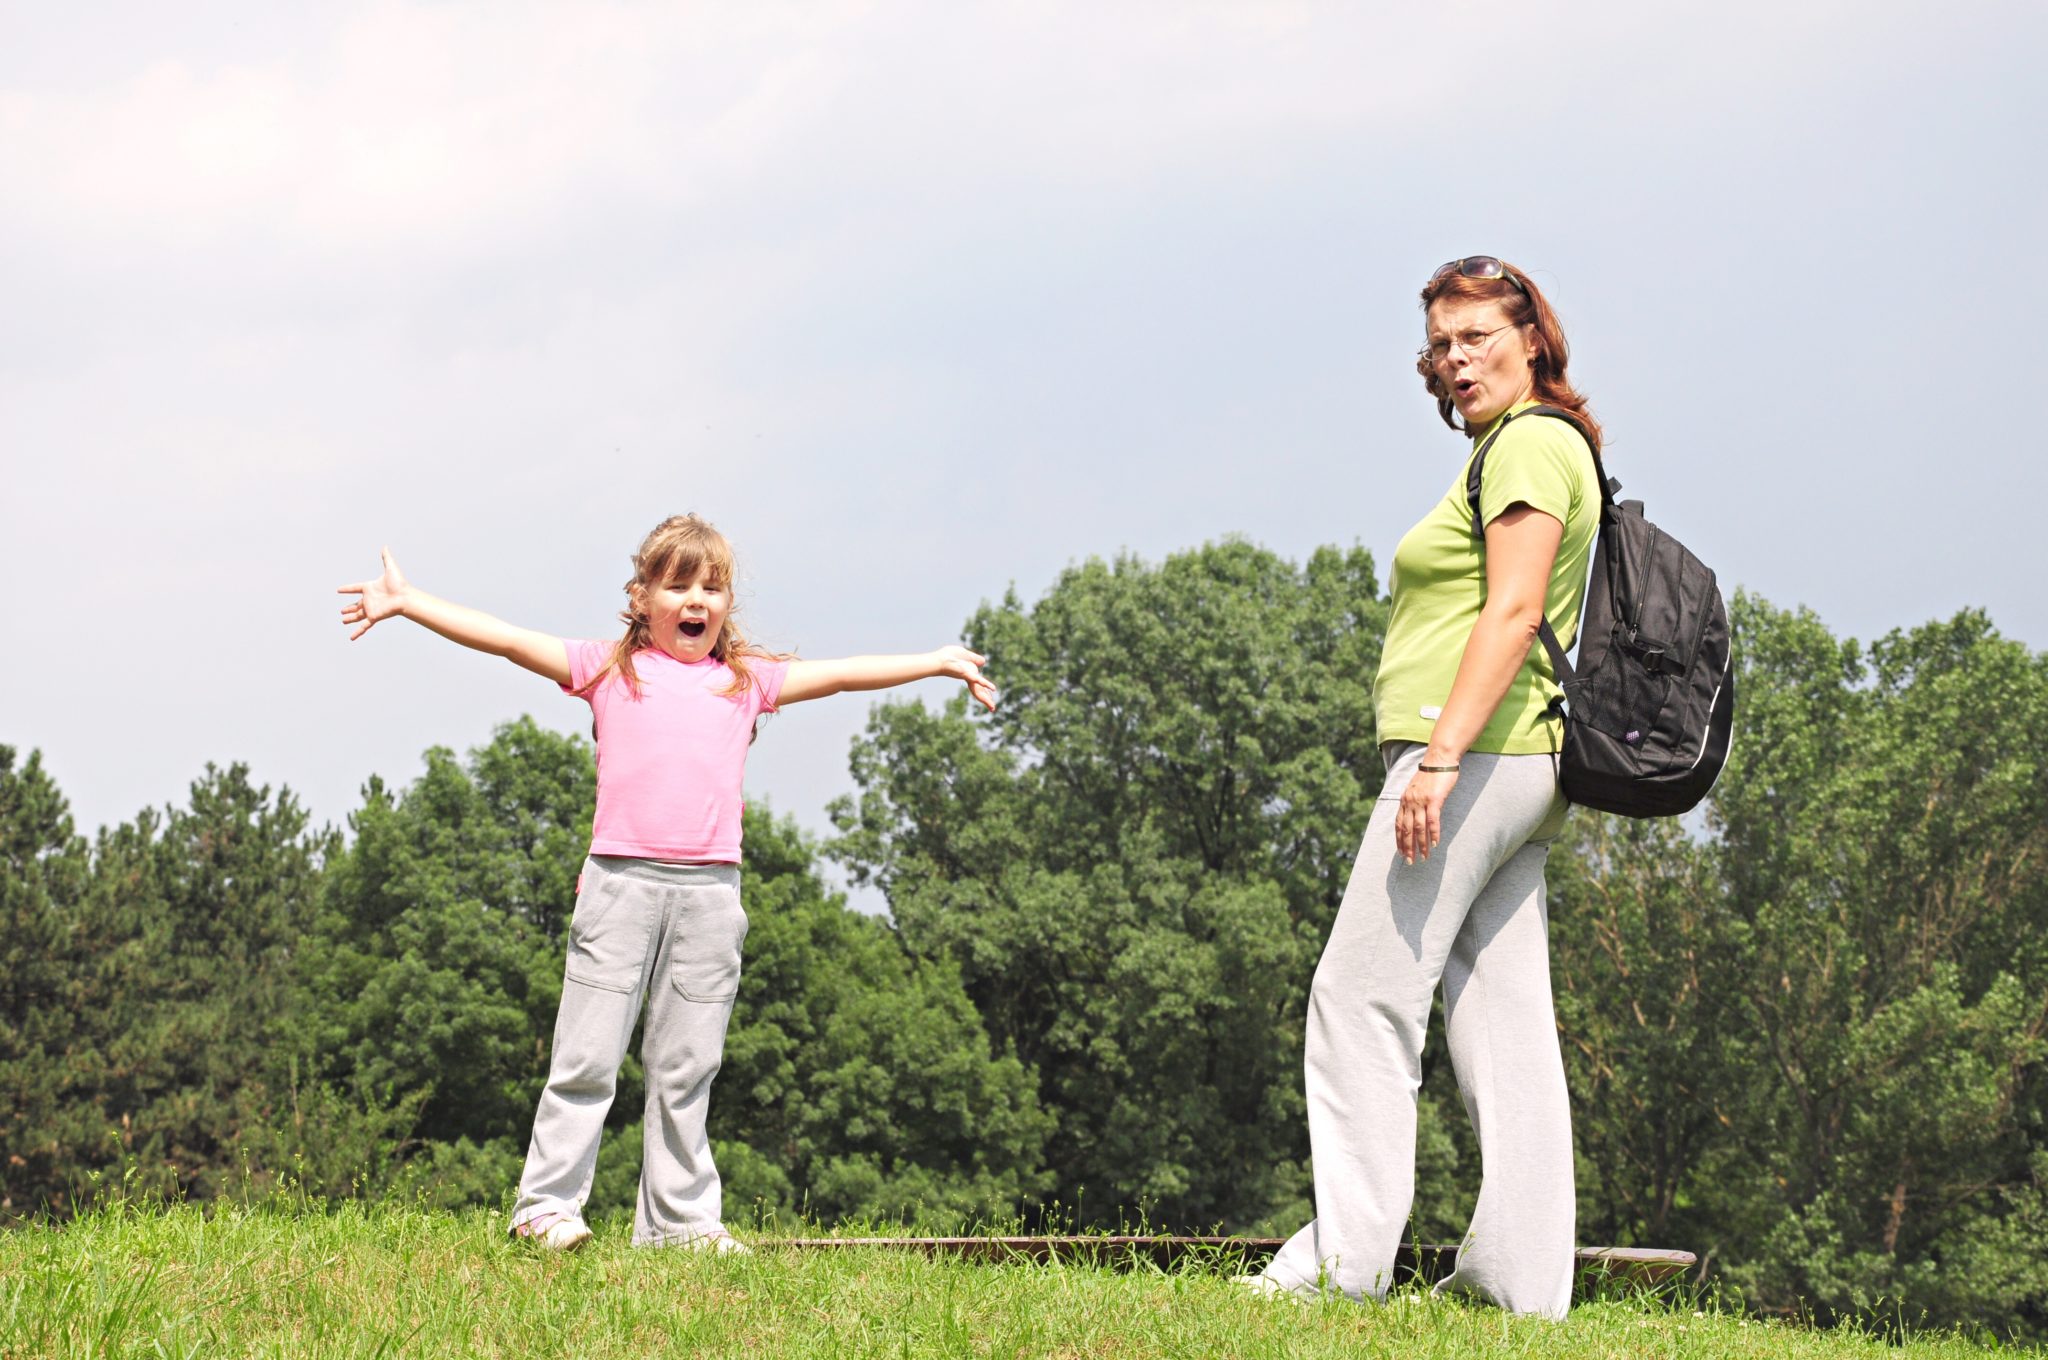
(670, 762)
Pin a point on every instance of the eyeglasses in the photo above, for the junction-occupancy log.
(1474, 343)
(1480, 267)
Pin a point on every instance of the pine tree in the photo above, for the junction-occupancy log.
(47, 1051)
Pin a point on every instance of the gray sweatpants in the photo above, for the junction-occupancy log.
(671, 933)
(1473, 915)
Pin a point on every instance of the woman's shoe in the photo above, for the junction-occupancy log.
(554, 1232)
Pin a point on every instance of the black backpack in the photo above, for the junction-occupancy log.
(1649, 709)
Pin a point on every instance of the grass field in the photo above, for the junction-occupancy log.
(359, 1281)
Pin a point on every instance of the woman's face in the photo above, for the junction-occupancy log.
(1483, 361)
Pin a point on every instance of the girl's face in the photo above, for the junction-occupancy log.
(685, 615)
(1483, 361)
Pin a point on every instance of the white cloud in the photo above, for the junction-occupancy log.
(428, 139)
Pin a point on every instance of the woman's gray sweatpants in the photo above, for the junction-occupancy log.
(1473, 915)
(670, 932)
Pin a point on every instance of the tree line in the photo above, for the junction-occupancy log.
(1806, 1033)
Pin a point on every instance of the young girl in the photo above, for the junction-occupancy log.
(674, 703)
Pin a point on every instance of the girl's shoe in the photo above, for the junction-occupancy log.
(720, 1240)
(555, 1232)
(1266, 1287)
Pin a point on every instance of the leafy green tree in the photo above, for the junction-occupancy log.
(1881, 841)
(47, 1056)
(435, 967)
(858, 1081)
(1639, 926)
(1812, 1042)
(1133, 863)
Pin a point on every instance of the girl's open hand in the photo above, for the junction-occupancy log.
(962, 664)
(375, 600)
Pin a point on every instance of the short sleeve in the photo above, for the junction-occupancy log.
(768, 677)
(1537, 461)
(586, 659)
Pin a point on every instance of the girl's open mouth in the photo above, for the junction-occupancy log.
(690, 628)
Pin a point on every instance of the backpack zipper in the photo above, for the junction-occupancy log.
(1635, 624)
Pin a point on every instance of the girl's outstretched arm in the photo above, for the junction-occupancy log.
(815, 679)
(389, 596)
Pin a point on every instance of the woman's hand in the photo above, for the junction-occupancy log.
(376, 600)
(962, 664)
(1419, 824)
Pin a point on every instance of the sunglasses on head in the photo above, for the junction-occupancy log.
(1480, 267)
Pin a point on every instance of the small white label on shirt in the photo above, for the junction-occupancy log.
(1432, 711)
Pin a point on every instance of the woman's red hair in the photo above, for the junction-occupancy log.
(1525, 306)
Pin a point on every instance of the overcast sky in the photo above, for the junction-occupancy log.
(917, 301)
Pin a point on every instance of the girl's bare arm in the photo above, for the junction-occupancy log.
(390, 596)
(816, 679)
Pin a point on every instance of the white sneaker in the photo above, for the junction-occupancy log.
(719, 1240)
(554, 1232)
(1265, 1286)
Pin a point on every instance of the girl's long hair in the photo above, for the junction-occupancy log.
(1525, 306)
(677, 549)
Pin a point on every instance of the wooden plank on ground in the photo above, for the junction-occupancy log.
(1634, 1265)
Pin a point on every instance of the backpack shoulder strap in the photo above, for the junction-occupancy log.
(1560, 664)
(1609, 487)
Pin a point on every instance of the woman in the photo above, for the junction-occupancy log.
(1448, 884)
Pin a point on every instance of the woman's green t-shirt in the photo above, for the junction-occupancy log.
(1439, 584)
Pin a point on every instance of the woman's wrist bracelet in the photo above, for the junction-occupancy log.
(1437, 769)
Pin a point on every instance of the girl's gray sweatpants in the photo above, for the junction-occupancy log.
(670, 933)
(1472, 915)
